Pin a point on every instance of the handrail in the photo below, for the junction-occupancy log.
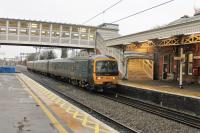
(148, 68)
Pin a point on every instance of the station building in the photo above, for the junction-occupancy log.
(161, 53)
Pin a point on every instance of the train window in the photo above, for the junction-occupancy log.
(106, 68)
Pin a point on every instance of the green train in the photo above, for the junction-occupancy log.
(96, 72)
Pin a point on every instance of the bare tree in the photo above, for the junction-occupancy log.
(32, 57)
(64, 53)
(47, 55)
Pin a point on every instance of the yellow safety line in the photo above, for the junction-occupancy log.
(96, 128)
(69, 109)
(75, 114)
(56, 123)
(85, 120)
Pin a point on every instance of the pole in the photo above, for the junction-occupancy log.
(181, 69)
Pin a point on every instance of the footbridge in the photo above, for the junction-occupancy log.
(47, 34)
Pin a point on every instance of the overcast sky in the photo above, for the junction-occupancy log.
(78, 11)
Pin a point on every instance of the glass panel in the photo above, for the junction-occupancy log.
(65, 34)
(92, 31)
(12, 30)
(3, 30)
(12, 23)
(35, 32)
(84, 36)
(91, 37)
(23, 31)
(2, 23)
(75, 35)
(190, 57)
(45, 26)
(183, 68)
(84, 30)
(55, 34)
(75, 29)
(45, 33)
(166, 59)
(184, 58)
(56, 27)
(35, 26)
(23, 24)
(190, 68)
(65, 28)
(106, 68)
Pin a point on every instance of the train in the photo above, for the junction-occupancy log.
(96, 73)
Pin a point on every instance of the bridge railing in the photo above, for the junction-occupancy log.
(32, 32)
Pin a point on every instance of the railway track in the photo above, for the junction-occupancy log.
(119, 126)
(174, 115)
(181, 117)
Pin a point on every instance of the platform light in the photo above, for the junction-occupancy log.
(98, 78)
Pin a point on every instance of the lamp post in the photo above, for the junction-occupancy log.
(181, 69)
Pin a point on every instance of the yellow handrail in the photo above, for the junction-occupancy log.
(148, 67)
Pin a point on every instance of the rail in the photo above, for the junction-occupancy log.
(122, 127)
(178, 116)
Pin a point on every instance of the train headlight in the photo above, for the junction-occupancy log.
(114, 78)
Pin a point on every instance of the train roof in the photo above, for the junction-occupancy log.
(102, 56)
(61, 60)
(76, 58)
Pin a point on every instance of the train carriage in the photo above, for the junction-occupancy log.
(30, 65)
(41, 66)
(60, 67)
(95, 72)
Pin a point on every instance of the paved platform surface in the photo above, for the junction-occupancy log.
(19, 112)
(165, 87)
(27, 107)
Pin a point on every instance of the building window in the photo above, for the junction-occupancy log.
(190, 63)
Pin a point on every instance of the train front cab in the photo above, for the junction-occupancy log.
(105, 73)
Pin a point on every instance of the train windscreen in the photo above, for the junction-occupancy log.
(106, 68)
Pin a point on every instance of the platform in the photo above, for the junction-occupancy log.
(164, 93)
(26, 106)
(189, 90)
